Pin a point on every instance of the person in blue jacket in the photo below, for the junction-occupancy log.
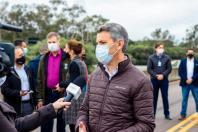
(188, 72)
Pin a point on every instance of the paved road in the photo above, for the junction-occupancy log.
(175, 105)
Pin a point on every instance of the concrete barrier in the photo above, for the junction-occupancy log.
(172, 77)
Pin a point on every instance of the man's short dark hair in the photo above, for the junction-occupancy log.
(117, 32)
(190, 49)
(52, 34)
(18, 42)
(157, 44)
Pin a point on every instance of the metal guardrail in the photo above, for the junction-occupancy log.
(186, 124)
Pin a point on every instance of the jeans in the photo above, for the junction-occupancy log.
(163, 85)
(27, 108)
(185, 94)
(51, 97)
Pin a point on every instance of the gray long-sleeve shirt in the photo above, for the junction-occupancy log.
(159, 65)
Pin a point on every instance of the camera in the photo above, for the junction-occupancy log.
(6, 58)
(7, 51)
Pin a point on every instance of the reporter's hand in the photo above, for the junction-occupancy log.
(61, 104)
(40, 104)
(23, 93)
(82, 127)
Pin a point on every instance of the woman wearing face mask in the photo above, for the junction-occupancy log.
(76, 68)
(16, 90)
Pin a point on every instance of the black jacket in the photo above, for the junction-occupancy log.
(153, 68)
(9, 122)
(42, 74)
(77, 72)
(183, 72)
(11, 90)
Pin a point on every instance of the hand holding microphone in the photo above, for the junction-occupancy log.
(74, 89)
(60, 103)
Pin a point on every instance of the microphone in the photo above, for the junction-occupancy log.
(74, 89)
(73, 92)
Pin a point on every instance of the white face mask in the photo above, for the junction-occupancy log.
(25, 50)
(53, 47)
(160, 51)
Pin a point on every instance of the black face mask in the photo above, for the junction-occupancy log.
(67, 55)
(190, 56)
(20, 61)
(83, 56)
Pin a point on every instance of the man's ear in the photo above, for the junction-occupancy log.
(59, 43)
(120, 44)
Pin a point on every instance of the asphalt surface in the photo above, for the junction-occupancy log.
(175, 96)
(175, 106)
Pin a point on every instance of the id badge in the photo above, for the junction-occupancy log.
(159, 63)
(66, 66)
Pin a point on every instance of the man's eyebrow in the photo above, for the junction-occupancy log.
(51, 41)
(102, 41)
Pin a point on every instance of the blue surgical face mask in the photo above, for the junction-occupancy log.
(102, 54)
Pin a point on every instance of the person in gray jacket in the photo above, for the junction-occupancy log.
(159, 67)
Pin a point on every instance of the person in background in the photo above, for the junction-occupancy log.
(188, 72)
(159, 67)
(119, 97)
(52, 69)
(76, 68)
(22, 44)
(83, 54)
(34, 63)
(17, 90)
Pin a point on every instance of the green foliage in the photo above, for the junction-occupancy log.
(141, 52)
(34, 49)
(89, 48)
(90, 56)
(38, 19)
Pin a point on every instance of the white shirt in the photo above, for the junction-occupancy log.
(112, 73)
(25, 86)
(190, 68)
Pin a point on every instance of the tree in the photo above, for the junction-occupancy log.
(89, 27)
(192, 37)
(3, 9)
(160, 35)
(38, 19)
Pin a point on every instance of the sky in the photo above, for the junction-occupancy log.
(141, 17)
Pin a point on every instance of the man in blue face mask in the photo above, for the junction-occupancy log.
(119, 97)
